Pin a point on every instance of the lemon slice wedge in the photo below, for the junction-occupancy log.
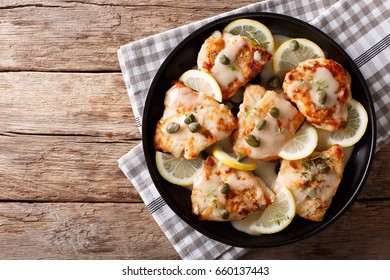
(254, 30)
(178, 171)
(303, 144)
(356, 126)
(292, 52)
(278, 215)
(230, 159)
(202, 82)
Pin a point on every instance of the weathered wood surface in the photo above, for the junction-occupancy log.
(65, 120)
(127, 231)
(84, 35)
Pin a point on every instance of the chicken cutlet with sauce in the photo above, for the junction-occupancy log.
(222, 193)
(313, 181)
(320, 88)
(232, 60)
(174, 135)
(256, 122)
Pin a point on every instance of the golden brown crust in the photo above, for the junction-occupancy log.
(215, 119)
(312, 187)
(298, 84)
(256, 105)
(247, 193)
(245, 61)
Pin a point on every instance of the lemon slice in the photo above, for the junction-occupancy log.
(230, 160)
(356, 126)
(286, 58)
(203, 82)
(278, 215)
(254, 30)
(178, 171)
(303, 144)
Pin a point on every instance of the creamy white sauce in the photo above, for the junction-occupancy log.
(179, 97)
(245, 225)
(257, 56)
(226, 74)
(277, 132)
(323, 80)
(266, 171)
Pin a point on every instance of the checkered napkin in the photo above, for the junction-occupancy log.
(362, 28)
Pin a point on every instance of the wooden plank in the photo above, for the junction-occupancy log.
(85, 35)
(127, 231)
(67, 168)
(94, 104)
(80, 231)
(378, 181)
(82, 168)
(361, 233)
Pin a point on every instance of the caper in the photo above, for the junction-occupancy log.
(225, 214)
(173, 127)
(189, 119)
(252, 140)
(261, 124)
(224, 188)
(194, 127)
(323, 168)
(224, 59)
(274, 112)
(241, 157)
(322, 97)
(274, 82)
(294, 45)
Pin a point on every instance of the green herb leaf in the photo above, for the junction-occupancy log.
(279, 130)
(312, 194)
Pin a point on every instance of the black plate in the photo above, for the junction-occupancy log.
(182, 58)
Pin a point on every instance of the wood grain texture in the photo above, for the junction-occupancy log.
(127, 231)
(66, 120)
(85, 35)
(67, 168)
(80, 231)
(93, 104)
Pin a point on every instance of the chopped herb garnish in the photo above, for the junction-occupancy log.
(254, 41)
(250, 111)
(320, 84)
(315, 165)
(233, 68)
(312, 194)
(210, 192)
(279, 130)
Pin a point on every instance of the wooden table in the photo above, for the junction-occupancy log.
(66, 119)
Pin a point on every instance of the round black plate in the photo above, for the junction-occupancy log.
(182, 58)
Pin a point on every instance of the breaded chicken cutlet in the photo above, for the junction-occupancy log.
(266, 124)
(191, 122)
(313, 181)
(320, 88)
(222, 193)
(232, 60)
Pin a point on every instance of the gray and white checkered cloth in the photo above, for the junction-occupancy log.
(362, 28)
